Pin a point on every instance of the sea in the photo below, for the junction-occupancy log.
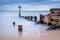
(7, 19)
(24, 13)
(30, 30)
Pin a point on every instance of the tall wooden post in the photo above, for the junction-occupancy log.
(19, 27)
(41, 18)
(35, 18)
(59, 15)
(49, 19)
(19, 11)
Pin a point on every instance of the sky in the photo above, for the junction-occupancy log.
(28, 5)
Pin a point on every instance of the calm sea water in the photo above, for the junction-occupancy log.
(31, 31)
(6, 19)
(24, 13)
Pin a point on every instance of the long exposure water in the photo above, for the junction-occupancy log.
(31, 30)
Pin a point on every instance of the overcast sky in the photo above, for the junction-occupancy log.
(29, 5)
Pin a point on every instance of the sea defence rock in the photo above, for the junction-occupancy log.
(19, 27)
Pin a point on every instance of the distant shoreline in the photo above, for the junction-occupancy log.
(25, 11)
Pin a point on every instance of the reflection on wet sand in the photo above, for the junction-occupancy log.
(20, 35)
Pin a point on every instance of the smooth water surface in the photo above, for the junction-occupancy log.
(31, 30)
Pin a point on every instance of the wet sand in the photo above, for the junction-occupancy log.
(31, 31)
